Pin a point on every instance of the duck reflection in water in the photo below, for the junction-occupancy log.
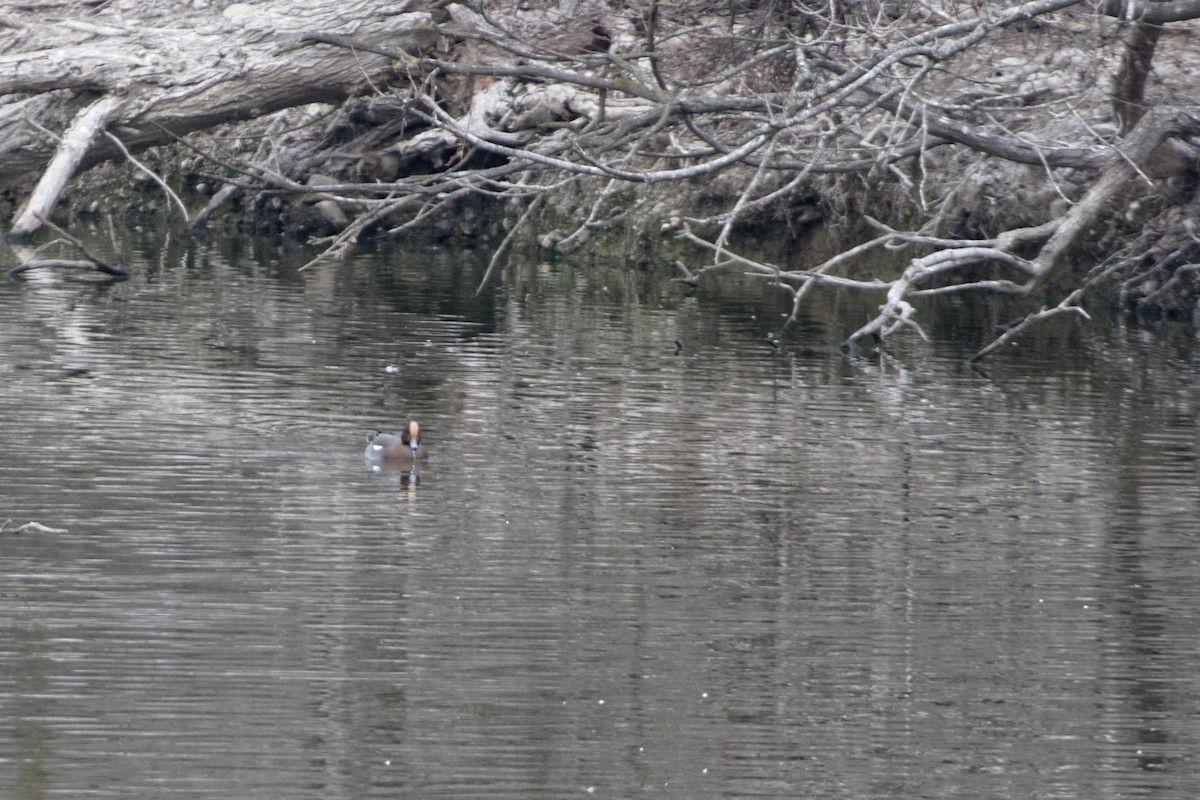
(396, 451)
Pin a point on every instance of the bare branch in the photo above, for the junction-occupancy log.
(151, 174)
(94, 262)
(508, 240)
(1069, 305)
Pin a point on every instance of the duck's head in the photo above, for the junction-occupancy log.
(411, 435)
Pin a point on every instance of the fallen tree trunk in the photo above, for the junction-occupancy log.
(160, 75)
(987, 128)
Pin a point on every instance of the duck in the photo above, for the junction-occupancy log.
(393, 447)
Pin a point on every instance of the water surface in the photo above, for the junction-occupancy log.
(629, 568)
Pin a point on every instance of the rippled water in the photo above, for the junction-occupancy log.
(626, 570)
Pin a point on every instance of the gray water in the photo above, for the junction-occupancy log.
(626, 570)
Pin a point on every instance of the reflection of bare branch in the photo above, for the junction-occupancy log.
(94, 262)
(508, 239)
(1069, 305)
(789, 96)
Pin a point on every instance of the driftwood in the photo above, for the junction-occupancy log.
(32, 526)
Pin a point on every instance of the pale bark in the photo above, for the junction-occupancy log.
(1127, 165)
(1152, 12)
(162, 76)
(916, 110)
(72, 148)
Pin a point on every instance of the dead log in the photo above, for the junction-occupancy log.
(149, 73)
